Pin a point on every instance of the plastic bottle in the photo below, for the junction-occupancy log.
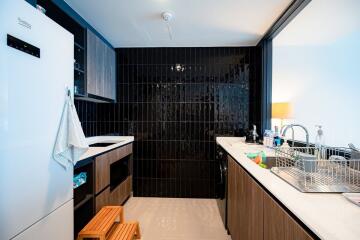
(319, 143)
(254, 133)
(277, 139)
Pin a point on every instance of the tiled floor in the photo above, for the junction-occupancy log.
(176, 218)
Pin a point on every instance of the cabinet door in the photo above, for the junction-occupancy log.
(274, 220)
(112, 74)
(109, 68)
(90, 63)
(100, 70)
(107, 87)
(245, 204)
(102, 169)
(103, 199)
(232, 210)
(251, 201)
(279, 225)
(294, 231)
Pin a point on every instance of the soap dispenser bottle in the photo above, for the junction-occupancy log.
(277, 138)
(319, 143)
(255, 134)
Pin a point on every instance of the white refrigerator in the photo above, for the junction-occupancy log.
(36, 66)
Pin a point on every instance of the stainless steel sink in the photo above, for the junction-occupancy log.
(270, 162)
(104, 144)
(101, 144)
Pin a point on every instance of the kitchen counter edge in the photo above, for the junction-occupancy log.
(95, 151)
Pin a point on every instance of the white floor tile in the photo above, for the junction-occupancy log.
(176, 218)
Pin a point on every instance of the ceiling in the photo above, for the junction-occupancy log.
(196, 23)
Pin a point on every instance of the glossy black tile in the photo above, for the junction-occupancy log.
(87, 112)
(176, 101)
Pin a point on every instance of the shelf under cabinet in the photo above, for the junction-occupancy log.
(82, 202)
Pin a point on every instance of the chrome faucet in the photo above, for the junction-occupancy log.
(286, 127)
(292, 132)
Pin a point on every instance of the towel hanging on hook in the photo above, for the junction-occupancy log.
(70, 141)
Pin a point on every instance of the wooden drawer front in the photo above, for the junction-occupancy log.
(121, 192)
(102, 167)
(103, 199)
(119, 153)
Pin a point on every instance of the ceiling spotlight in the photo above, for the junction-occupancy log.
(167, 16)
(178, 68)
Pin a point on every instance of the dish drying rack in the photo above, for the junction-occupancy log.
(325, 169)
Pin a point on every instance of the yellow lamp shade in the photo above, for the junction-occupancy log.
(282, 110)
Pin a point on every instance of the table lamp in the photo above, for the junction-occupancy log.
(281, 110)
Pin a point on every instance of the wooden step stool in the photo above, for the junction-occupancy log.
(108, 224)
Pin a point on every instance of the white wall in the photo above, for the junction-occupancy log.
(316, 66)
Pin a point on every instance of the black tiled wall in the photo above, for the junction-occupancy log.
(87, 112)
(175, 115)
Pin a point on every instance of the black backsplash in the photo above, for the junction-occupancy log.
(87, 112)
(175, 101)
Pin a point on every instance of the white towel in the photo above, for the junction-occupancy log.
(70, 142)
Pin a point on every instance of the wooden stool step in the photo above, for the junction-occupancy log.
(125, 231)
(100, 225)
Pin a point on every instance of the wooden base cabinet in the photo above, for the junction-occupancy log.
(253, 214)
(116, 192)
(115, 197)
(245, 205)
(103, 162)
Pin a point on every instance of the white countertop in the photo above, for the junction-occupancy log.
(330, 216)
(117, 140)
